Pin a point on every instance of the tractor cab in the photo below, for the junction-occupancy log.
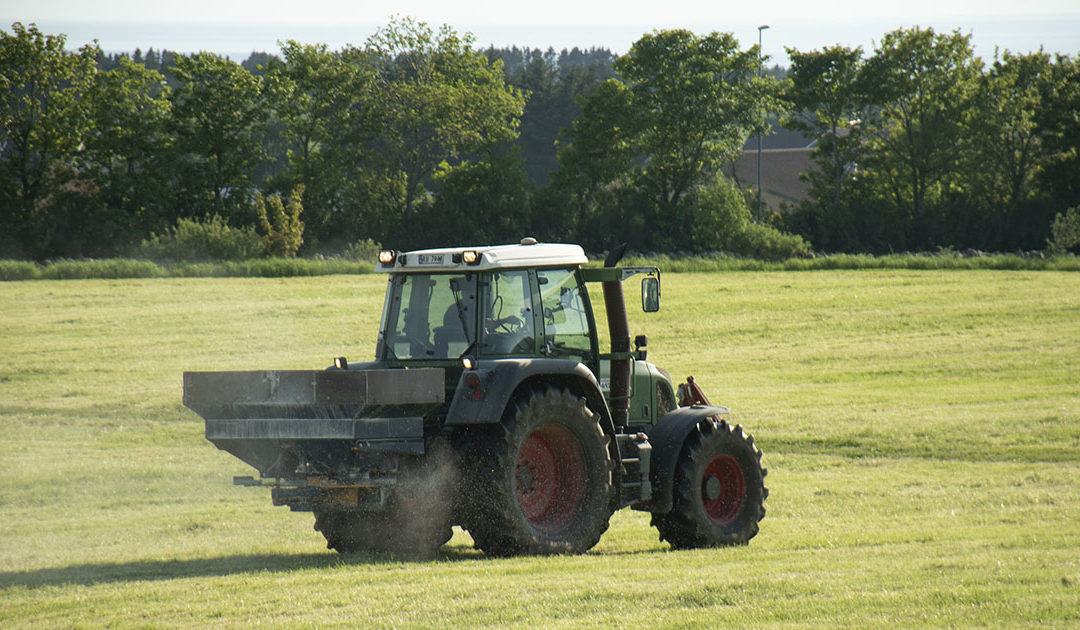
(529, 301)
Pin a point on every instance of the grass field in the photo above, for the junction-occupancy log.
(921, 428)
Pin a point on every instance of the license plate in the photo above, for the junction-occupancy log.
(431, 259)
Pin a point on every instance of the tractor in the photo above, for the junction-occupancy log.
(491, 406)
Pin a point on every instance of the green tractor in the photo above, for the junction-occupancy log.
(491, 406)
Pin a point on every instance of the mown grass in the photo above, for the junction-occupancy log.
(922, 431)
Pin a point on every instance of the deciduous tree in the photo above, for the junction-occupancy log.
(923, 82)
(44, 122)
(684, 105)
(323, 100)
(436, 100)
(1005, 148)
(829, 105)
(217, 116)
(124, 153)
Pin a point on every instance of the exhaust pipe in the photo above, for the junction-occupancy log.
(619, 331)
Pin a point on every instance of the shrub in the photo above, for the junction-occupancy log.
(283, 231)
(366, 250)
(720, 220)
(1065, 232)
(768, 243)
(196, 241)
(19, 270)
(87, 268)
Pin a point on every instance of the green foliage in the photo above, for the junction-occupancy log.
(857, 262)
(1065, 232)
(829, 104)
(193, 240)
(694, 101)
(111, 268)
(272, 268)
(1059, 175)
(366, 250)
(282, 229)
(130, 112)
(436, 99)
(359, 258)
(19, 270)
(476, 202)
(947, 152)
(44, 121)
(924, 82)
(647, 143)
(719, 221)
(321, 99)
(554, 86)
(218, 115)
(416, 126)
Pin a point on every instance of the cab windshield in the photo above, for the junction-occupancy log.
(429, 316)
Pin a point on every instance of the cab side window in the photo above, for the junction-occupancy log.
(566, 324)
(507, 315)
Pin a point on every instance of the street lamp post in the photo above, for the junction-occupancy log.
(760, 206)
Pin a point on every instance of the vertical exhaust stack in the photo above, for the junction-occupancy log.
(619, 331)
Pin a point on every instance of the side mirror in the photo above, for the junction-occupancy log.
(650, 294)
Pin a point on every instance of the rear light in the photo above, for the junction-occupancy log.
(473, 383)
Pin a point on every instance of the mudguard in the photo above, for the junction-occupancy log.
(483, 394)
(667, 437)
(497, 380)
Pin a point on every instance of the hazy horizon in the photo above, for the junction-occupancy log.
(237, 40)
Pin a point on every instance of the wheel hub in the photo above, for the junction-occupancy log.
(723, 489)
(526, 478)
(713, 487)
(550, 477)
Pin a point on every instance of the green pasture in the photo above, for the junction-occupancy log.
(921, 430)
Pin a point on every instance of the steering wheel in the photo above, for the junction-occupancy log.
(508, 325)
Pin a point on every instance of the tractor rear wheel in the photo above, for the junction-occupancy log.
(540, 481)
(399, 531)
(719, 489)
(415, 521)
(350, 532)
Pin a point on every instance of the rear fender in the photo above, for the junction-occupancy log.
(667, 438)
(501, 381)
(497, 381)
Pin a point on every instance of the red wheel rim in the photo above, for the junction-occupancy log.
(723, 489)
(550, 477)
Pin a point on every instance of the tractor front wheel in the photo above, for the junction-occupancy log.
(719, 489)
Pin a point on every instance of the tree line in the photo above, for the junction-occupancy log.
(923, 145)
(418, 138)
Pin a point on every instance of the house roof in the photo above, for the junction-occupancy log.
(780, 138)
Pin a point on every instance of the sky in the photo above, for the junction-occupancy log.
(238, 27)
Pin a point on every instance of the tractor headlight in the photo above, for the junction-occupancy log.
(387, 257)
(470, 257)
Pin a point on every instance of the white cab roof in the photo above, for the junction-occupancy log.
(526, 254)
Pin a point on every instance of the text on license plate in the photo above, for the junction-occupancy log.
(431, 259)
